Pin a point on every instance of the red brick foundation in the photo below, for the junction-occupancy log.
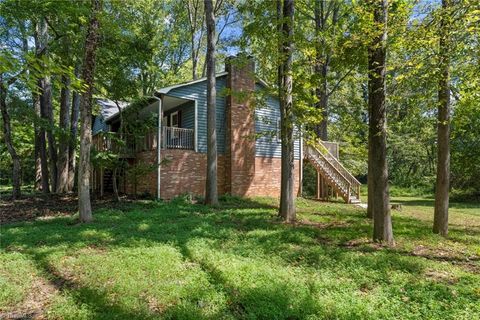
(184, 171)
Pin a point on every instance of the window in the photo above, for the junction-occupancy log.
(174, 119)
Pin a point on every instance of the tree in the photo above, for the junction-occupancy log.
(40, 48)
(323, 12)
(377, 52)
(440, 219)
(7, 133)
(91, 44)
(73, 137)
(196, 20)
(211, 196)
(286, 19)
(63, 161)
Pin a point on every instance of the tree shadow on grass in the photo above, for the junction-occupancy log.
(248, 222)
(98, 303)
(179, 223)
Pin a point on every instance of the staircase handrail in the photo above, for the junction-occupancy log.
(338, 168)
(329, 163)
(341, 166)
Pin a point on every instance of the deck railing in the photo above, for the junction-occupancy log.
(172, 138)
(178, 138)
(110, 141)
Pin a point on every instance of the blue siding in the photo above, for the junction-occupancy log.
(266, 116)
(198, 91)
(187, 114)
(99, 125)
(267, 144)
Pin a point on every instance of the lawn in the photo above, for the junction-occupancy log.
(180, 260)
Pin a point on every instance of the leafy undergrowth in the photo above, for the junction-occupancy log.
(180, 260)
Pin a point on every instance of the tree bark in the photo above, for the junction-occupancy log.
(7, 136)
(196, 18)
(440, 219)
(73, 138)
(40, 49)
(287, 200)
(91, 43)
(382, 221)
(46, 105)
(114, 182)
(211, 196)
(38, 160)
(64, 121)
(323, 57)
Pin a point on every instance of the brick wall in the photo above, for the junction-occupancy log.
(268, 177)
(184, 172)
(240, 127)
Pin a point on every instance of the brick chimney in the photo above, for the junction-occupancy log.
(240, 126)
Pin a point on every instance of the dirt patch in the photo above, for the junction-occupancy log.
(441, 276)
(39, 206)
(443, 254)
(364, 243)
(322, 225)
(34, 305)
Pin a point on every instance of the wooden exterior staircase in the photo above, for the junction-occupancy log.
(333, 172)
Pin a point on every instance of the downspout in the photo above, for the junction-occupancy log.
(159, 142)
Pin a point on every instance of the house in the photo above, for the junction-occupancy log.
(249, 148)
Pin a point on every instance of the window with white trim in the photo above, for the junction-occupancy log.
(174, 119)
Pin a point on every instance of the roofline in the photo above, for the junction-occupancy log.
(166, 90)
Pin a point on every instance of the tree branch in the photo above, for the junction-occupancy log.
(335, 87)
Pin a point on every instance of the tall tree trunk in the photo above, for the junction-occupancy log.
(322, 62)
(46, 101)
(91, 43)
(440, 219)
(370, 206)
(115, 186)
(211, 196)
(64, 122)
(382, 221)
(41, 40)
(73, 137)
(287, 200)
(7, 136)
(38, 160)
(194, 58)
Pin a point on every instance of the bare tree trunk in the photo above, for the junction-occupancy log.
(40, 49)
(64, 121)
(194, 59)
(382, 221)
(73, 139)
(194, 14)
(211, 196)
(7, 136)
(91, 43)
(287, 200)
(440, 219)
(114, 182)
(370, 206)
(38, 161)
(322, 12)
(46, 104)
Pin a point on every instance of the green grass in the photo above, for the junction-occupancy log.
(186, 261)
